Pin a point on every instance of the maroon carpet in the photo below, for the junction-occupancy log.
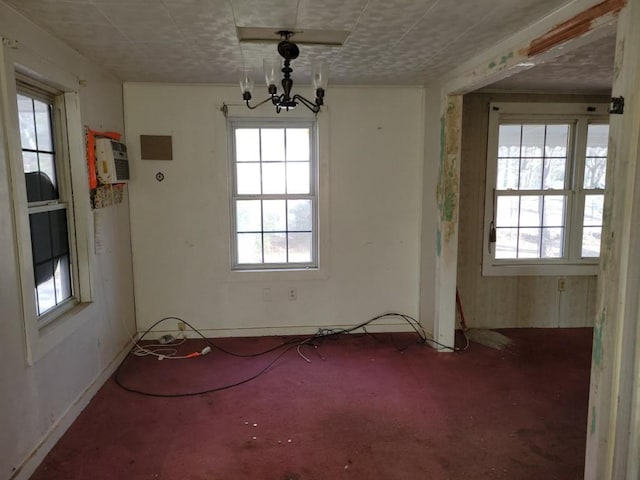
(367, 411)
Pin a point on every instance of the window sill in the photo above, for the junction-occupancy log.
(316, 273)
(558, 270)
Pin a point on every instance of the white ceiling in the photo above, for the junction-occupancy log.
(391, 41)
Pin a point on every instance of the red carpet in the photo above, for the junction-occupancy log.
(367, 411)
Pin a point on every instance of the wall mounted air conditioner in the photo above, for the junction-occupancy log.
(112, 164)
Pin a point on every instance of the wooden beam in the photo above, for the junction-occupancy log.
(574, 27)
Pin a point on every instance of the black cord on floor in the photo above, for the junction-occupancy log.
(288, 345)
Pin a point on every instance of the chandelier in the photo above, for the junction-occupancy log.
(285, 101)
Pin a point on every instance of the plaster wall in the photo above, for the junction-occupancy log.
(38, 401)
(371, 151)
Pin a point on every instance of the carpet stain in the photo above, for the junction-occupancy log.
(548, 456)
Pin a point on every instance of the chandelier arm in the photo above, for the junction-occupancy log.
(258, 104)
(314, 107)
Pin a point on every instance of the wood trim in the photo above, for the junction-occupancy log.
(574, 27)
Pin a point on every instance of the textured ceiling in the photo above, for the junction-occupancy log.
(391, 41)
(587, 70)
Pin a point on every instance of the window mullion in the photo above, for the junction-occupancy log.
(577, 192)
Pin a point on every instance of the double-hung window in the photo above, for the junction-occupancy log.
(274, 195)
(546, 174)
(50, 213)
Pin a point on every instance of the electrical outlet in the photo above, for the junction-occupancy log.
(181, 326)
(266, 294)
(562, 284)
(293, 293)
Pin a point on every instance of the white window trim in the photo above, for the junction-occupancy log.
(527, 112)
(323, 269)
(235, 123)
(44, 333)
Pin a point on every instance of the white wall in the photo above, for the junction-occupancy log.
(38, 402)
(372, 149)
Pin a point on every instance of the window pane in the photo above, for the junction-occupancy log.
(554, 210)
(530, 174)
(274, 216)
(508, 173)
(597, 140)
(557, 140)
(552, 242)
(299, 215)
(554, 173)
(39, 187)
(529, 243)
(595, 172)
(532, 141)
(530, 211)
(507, 211)
(273, 178)
(298, 177)
(591, 241)
(275, 248)
(595, 169)
(509, 141)
(43, 126)
(45, 288)
(27, 123)
(248, 178)
(30, 162)
(506, 242)
(300, 246)
(272, 144)
(249, 247)
(298, 144)
(40, 237)
(59, 237)
(248, 216)
(593, 210)
(62, 279)
(48, 167)
(247, 144)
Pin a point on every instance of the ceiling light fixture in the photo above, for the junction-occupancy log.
(285, 101)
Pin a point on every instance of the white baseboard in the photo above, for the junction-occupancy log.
(60, 426)
(377, 327)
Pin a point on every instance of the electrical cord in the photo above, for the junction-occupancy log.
(296, 342)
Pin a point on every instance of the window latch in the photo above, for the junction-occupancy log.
(492, 234)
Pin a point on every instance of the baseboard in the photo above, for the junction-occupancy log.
(60, 426)
(377, 327)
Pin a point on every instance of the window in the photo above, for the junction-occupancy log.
(274, 190)
(50, 215)
(546, 171)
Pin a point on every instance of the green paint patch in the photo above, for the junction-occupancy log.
(443, 146)
(492, 65)
(438, 242)
(449, 206)
(506, 57)
(593, 420)
(597, 340)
